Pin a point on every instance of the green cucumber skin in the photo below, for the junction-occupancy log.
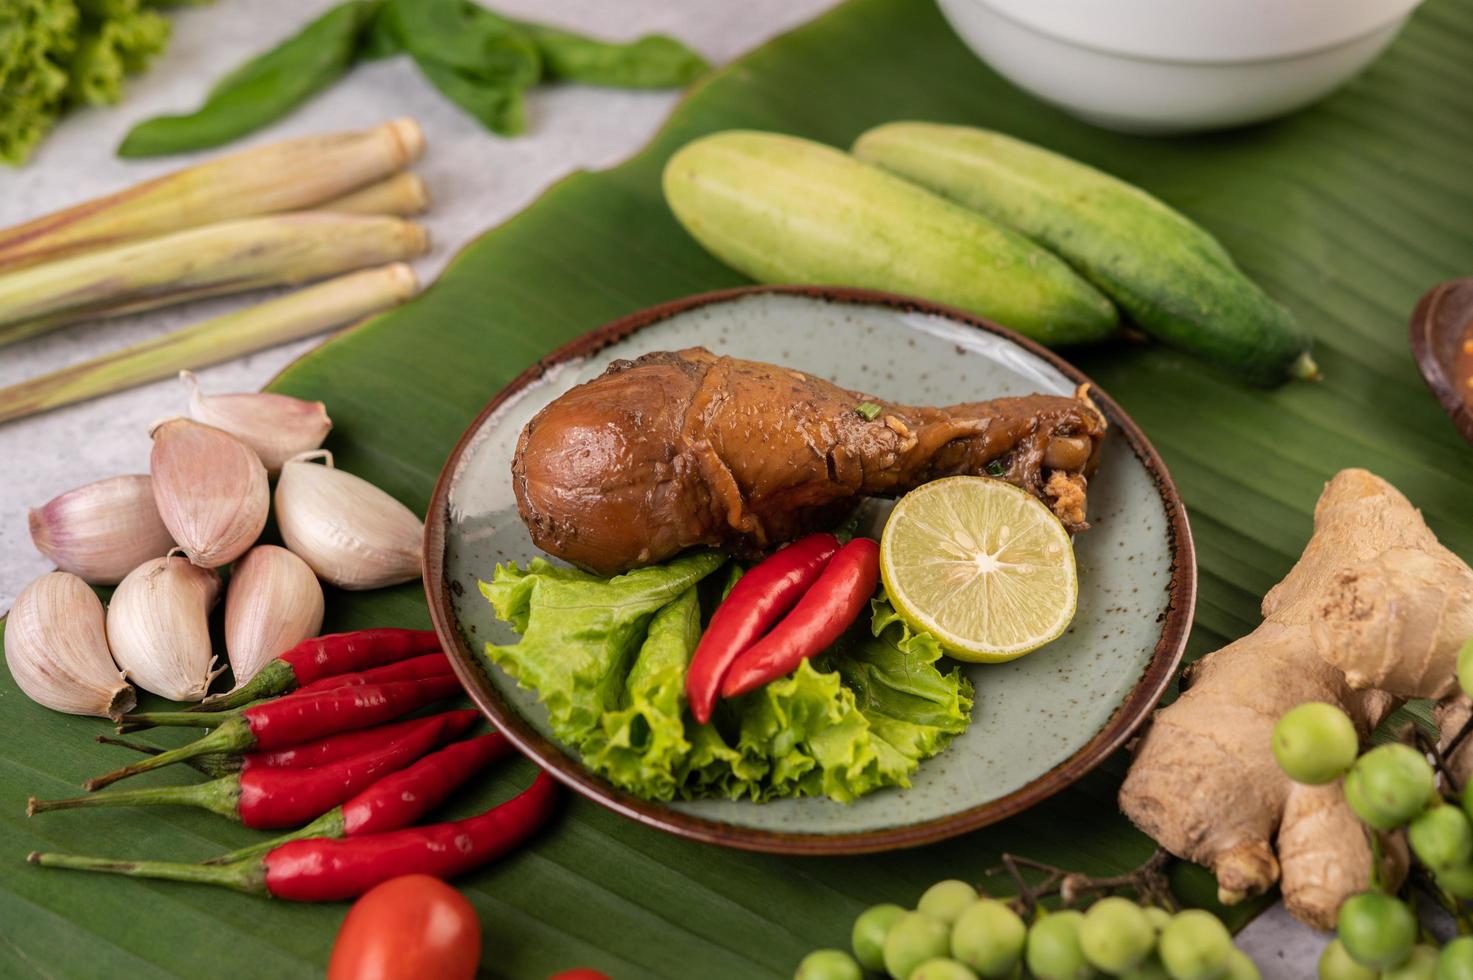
(781, 209)
(1171, 277)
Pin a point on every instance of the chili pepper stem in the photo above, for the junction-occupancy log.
(220, 796)
(243, 876)
(213, 765)
(178, 719)
(330, 824)
(275, 678)
(234, 735)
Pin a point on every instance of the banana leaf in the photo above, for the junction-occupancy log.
(1346, 212)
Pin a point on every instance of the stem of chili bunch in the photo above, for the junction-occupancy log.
(220, 796)
(222, 765)
(243, 876)
(233, 735)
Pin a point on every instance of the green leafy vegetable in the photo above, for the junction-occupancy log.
(654, 61)
(580, 632)
(869, 410)
(641, 745)
(55, 54)
(481, 61)
(608, 658)
(263, 89)
(856, 719)
(116, 39)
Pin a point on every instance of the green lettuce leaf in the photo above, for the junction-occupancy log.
(608, 657)
(117, 39)
(579, 632)
(640, 746)
(56, 54)
(37, 37)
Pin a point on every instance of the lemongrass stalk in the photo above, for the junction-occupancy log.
(230, 257)
(288, 176)
(402, 194)
(300, 314)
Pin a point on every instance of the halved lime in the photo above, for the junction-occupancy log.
(981, 565)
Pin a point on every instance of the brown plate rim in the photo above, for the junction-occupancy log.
(1127, 719)
(1424, 351)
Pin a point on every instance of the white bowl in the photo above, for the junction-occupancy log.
(1175, 66)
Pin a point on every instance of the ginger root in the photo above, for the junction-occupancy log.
(1373, 600)
(1451, 715)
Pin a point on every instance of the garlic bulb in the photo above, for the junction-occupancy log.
(353, 534)
(158, 625)
(210, 488)
(273, 603)
(102, 531)
(56, 649)
(277, 427)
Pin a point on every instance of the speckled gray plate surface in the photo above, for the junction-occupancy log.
(1039, 722)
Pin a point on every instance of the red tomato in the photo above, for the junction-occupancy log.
(408, 928)
(582, 973)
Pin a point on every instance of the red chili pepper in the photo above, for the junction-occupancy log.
(397, 800)
(291, 721)
(415, 668)
(319, 870)
(820, 618)
(269, 799)
(344, 745)
(326, 656)
(758, 600)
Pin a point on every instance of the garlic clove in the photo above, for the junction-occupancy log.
(276, 427)
(56, 649)
(350, 532)
(158, 625)
(102, 531)
(210, 488)
(274, 602)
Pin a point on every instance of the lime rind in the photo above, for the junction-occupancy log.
(982, 565)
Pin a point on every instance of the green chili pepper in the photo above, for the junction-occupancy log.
(653, 61)
(869, 410)
(263, 89)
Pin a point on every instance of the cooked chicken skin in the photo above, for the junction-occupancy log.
(685, 448)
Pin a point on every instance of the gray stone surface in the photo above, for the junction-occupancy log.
(478, 181)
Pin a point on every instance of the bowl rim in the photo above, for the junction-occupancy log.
(1133, 711)
(1037, 19)
(1424, 322)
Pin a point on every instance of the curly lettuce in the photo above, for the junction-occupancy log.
(579, 632)
(608, 658)
(640, 745)
(55, 54)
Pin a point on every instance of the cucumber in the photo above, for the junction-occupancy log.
(783, 209)
(1171, 277)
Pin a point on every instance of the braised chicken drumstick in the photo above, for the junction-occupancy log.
(685, 448)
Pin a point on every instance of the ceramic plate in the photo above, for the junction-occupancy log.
(1039, 723)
